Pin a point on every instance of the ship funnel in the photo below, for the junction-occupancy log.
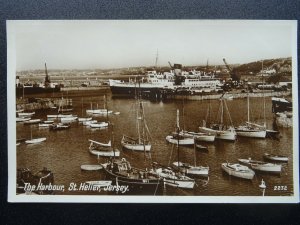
(17, 81)
(177, 69)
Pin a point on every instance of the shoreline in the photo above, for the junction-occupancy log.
(46, 102)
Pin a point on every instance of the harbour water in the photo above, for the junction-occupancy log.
(65, 151)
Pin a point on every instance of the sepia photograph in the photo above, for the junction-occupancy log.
(152, 111)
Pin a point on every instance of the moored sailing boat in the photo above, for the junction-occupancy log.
(139, 181)
(172, 178)
(104, 149)
(34, 140)
(238, 170)
(279, 158)
(261, 166)
(176, 179)
(142, 142)
(250, 129)
(180, 138)
(103, 111)
(188, 169)
(65, 106)
(220, 130)
(200, 136)
(83, 119)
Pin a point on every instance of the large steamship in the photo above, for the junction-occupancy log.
(174, 80)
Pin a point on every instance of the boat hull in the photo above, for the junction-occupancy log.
(131, 144)
(35, 141)
(276, 158)
(251, 134)
(136, 147)
(205, 138)
(228, 135)
(21, 119)
(139, 186)
(82, 119)
(261, 166)
(35, 121)
(192, 170)
(201, 136)
(68, 119)
(180, 183)
(130, 90)
(91, 167)
(55, 127)
(24, 114)
(185, 141)
(45, 125)
(240, 174)
(98, 111)
(173, 179)
(98, 125)
(105, 153)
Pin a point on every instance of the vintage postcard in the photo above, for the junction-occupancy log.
(197, 111)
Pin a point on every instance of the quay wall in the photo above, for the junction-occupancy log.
(83, 88)
(47, 103)
(234, 95)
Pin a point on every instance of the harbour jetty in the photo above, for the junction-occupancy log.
(232, 95)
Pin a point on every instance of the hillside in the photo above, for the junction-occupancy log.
(280, 66)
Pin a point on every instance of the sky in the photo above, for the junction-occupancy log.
(105, 44)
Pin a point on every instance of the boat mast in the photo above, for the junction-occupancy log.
(177, 137)
(248, 107)
(177, 120)
(183, 114)
(143, 128)
(156, 60)
(138, 114)
(195, 152)
(82, 106)
(264, 100)
(105, 107)
(112, 140)
(222, 111)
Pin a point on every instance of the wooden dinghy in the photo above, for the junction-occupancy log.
(91, 167)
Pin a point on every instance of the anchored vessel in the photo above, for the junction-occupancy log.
(283, 110)
(139, 181)
(173, 179)
(174, 80)
(42, 177)
(180, 138)
(46, 87)
(220, 129)
(141, 142)
(273, 157)
(237, 170)
(261, 166)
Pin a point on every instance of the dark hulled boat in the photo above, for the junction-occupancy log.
(281, 105)
(43, 177)
(46, 87)
(139, 181)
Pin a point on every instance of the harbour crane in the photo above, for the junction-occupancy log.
(227, 66)
(233, 75)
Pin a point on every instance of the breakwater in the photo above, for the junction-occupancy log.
(232, 95)
(47, 103)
